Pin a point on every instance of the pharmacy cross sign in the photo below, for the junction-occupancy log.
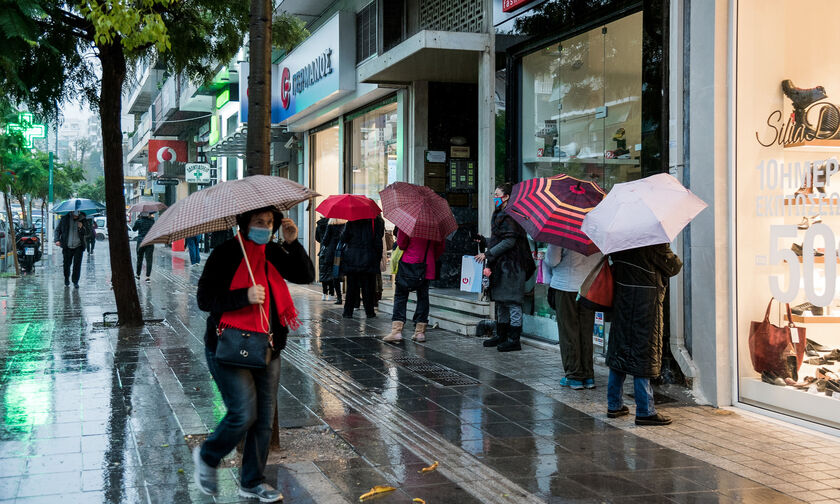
(27, 128)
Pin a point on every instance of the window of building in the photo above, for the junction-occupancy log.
(787, 214)
(372, 150)
(366, 32)
(393, 23)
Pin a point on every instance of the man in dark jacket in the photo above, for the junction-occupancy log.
(71, 235)
(635, 344)
(360, 257)
(327, 232)
(142, 225)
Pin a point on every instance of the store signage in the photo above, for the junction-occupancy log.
(27, 128)
(811, 119)
(509, 5)
(167, 181)
(197, 173)
(436, 156)
(161, 151)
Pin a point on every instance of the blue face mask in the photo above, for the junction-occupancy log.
(259, 235)
(497, 202)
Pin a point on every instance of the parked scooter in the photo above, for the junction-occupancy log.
(28, 248)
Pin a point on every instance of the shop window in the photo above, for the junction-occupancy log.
(366, 32)
(787, 214)
(372, 150)
(581, 114)
(393, 23)
(231, 170)
(325, 171)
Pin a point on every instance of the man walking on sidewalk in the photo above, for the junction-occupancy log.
(71, 234)
(142, 226)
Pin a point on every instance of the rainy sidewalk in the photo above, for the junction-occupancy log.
(97, 414)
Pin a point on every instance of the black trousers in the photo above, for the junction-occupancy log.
(145, 252)
(91, 244)
(574, 325)
(73, 257)
(356, 282)
(421, 314)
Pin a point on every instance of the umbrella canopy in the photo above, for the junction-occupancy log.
(644, 212)
(348, 207)
(417, 211)
(147, 206)
(78, 204)
(216, 208)
(552, 209)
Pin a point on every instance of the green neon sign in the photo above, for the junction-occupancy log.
(214, 130)
(223, 98)
(26, 127)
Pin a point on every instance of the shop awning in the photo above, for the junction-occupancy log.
(430, 55)
(234, 145)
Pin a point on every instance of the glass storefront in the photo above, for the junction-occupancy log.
(581, 114)
(787, 214)
(372, 150)
(325, 174)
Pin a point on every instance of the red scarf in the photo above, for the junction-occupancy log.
(250, 318)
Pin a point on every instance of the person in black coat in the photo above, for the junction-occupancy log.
(635, 343)
(511, 264)
(71, 234)
(327, 232)
(361, 242)
(250, 395)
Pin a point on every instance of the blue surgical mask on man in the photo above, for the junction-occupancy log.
(259, 235)
(497, 202)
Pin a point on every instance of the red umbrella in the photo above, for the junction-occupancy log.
(552, 209)
(417, 211)
(348, 207)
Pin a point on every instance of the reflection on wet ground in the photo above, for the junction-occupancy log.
(92, 414)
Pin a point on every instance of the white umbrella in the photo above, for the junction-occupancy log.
(643, 212)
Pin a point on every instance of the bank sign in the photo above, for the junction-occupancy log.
(317, 72)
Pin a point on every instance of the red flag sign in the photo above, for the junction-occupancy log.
(166, 150)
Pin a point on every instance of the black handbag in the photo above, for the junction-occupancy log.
(411, 275)
(246, 349)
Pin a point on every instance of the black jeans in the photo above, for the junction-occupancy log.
(91, 243)
(574, 326)
(250, 396)
(421, 314)
(355, 282)
(144, 252)
(74, 257)
(328, 287)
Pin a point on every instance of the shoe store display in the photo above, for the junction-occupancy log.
(807, 307)
(772, 379)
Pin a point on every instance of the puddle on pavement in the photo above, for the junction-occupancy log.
(303, 444)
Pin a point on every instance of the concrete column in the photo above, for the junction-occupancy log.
(486, 135)
(709, 297)
(418, 136)
(403, 105)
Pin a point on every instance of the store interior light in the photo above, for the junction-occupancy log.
(214, 131)
(222, 98)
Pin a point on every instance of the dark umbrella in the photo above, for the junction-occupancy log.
(552, 209)
(78, 204)
(417, 211)
(348, 207)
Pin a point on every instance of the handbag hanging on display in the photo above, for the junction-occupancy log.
(774, 349)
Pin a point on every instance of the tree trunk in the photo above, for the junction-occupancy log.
(12, 237)
(257, 155)
(122, 278)
(23, 217)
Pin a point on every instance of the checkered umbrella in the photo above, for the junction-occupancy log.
(216, 208)
(147, 206)
(417, 211)
(552, 209)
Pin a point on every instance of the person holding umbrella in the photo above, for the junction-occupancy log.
(510, 262)
(327, 232)
(226, 291)
(142, 225)
(71, 235)
(362, 248)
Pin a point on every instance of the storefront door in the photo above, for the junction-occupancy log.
(325, 175)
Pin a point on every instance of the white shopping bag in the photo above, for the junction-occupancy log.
(471, 274)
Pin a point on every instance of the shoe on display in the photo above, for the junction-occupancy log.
(800, 309)
(818, 347)
(802, 97)
(657, 419)
(772, 379)
(264, 492)
(624, 410)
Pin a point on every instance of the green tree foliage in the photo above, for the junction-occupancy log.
(287, 32)
(94, 191)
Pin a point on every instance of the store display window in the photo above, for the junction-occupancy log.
(372, 149)
(581, 114)
(325, 173)
(787, 214)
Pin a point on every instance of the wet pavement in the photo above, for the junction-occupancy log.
(98, 414)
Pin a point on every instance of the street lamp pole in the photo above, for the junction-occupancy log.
(47, 220)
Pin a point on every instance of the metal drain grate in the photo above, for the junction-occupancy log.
(435, 372)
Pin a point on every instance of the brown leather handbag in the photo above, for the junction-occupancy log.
(774, 349)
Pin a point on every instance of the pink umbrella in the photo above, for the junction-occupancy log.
(417, 211)
(147, 206)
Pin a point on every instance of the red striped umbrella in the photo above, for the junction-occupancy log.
(552, 209)
(348, 207)
(418, 211)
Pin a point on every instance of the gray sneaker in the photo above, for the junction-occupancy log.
(264, 492)
(205, 476)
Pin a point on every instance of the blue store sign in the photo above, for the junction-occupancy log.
(317, 72)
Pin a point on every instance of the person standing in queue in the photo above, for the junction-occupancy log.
(71, 235)
(362, 249)
(225, 289)
(511, 264)
(327, 232)
(635, 344)
(142, 225)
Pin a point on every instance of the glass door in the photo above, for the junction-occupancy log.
(325, 176)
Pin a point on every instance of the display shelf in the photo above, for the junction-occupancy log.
(826, 145)
(594, 160)
(815, 319)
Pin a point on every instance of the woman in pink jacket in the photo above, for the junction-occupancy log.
(416, 268)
